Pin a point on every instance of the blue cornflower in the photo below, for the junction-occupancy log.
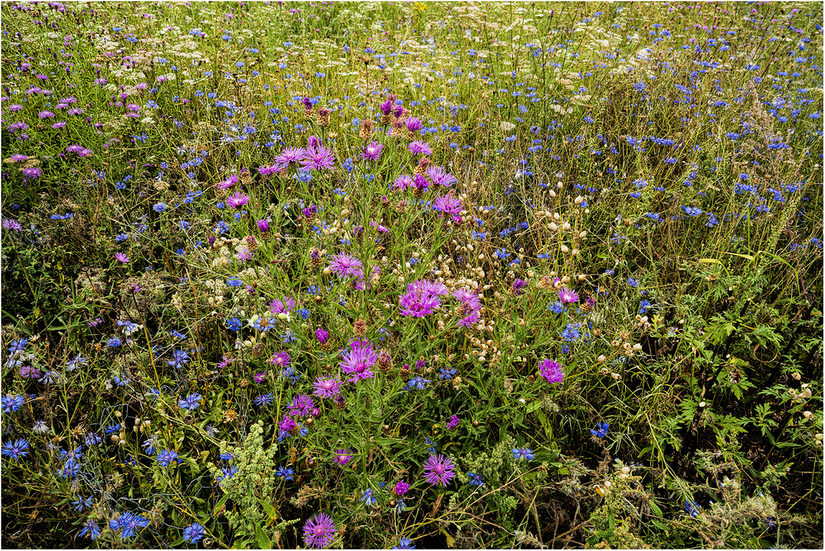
(193, 533)
(83, 503)
(234, 324)
(159, 207)
(405, 543)
(70, 469)
(165, 457)
(11, 402)
(475, 479)
(632, 282)
(191, 402)
(523, 453)
(556, 307)
(644, 306)
(17, 449)
(601, 429)
(127, 523)
(501, 254)
(114, 342)
(571, 332)
(17, 346)
(368, 498)
(149, 445)
(692, 211)
(692, 508)
(179, 359)
(264, 400)
(228, 472)
(177, 334)
(447, 373)
(78, 360)
(418, 382)
(286, 472)
(234, 281)
(91, 528)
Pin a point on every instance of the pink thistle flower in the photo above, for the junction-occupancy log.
(122, 258)
(448, 204)
(439, 470)
(342, 457)
(440, 177)
(318, 158)
(286, 304)
(326, 388)
(358, 361)
(229, 182)
(568, 295)
(420, 148)
(402, 182)
(373, 151)
(552, 371)
(237, 199)
(319, 531)
(346, 266)
(280, 359)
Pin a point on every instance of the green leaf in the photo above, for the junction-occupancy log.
(262, 539)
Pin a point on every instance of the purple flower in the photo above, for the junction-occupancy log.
(11, 224)
(346, 266)
(286, 304)
(421, 183)
(373, 151)
(318, 158)
(358, 361)
(468, 299)
(551, 371)
(568, 295)
(440, 177)
(302, 405)
(237, 199)
(421, 298)
(401, 488)
(413, 124)
(319, 531)
(438, 470)
(448, 204)
(122, 258)
(518, 285)
(229, 182)
(263, 225)
(31, 173)
(402, 182)
(342, 457)
(322, 335)
(420, 148)
(290, 155)
(326, 388)
(453, 422)
(280, 359)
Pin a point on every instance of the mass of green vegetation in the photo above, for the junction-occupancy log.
(399, 274)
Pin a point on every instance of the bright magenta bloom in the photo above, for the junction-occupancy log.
(319, 531)
(439, 470)
(551, 371)
(360, 358)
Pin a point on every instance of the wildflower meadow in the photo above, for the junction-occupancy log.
(412, 274)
